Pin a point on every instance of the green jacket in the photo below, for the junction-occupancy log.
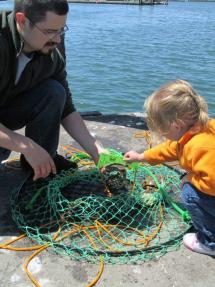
(40, 68)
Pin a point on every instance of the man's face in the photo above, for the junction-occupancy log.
(42, 36)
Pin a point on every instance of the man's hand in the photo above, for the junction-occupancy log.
(77, 129)
(133, 156)
(40, 160)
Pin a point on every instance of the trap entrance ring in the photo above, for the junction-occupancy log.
(76, 217)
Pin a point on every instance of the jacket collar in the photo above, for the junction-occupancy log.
(17, 41)
(185, 138)
(195, 129)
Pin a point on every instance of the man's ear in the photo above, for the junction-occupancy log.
(20, 19)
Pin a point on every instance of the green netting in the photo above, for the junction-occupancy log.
(125, 214)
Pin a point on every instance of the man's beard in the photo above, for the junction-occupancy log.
(48, 48)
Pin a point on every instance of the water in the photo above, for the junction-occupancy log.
(118, 54)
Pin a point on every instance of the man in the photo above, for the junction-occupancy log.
(33, 88)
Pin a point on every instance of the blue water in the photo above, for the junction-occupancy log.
(118, 54)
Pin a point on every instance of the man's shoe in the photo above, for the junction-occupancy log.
(191, 241)
(24, 164)
(60, 162)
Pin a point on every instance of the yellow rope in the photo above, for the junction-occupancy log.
(145, 134)
(78, 228)
(71, 150)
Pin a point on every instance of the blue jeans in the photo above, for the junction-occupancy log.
(202, 211)
(39, 110)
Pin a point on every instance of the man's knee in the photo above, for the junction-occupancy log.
(56, 91)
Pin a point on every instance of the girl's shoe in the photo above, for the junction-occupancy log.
(191, 241)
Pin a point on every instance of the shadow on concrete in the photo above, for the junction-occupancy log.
(128, 120)
(10, 180)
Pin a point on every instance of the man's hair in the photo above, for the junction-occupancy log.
(36, 10)
(173, 101)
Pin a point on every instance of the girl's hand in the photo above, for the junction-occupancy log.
(133, 156)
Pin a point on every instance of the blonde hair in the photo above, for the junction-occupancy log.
(175, 101)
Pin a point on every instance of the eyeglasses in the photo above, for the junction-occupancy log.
(50, 33)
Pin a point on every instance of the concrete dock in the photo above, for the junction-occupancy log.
(175, 269)
(126, 2)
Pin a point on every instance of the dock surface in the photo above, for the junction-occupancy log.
(126, 2)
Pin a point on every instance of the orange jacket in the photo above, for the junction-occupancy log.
(195, 153)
